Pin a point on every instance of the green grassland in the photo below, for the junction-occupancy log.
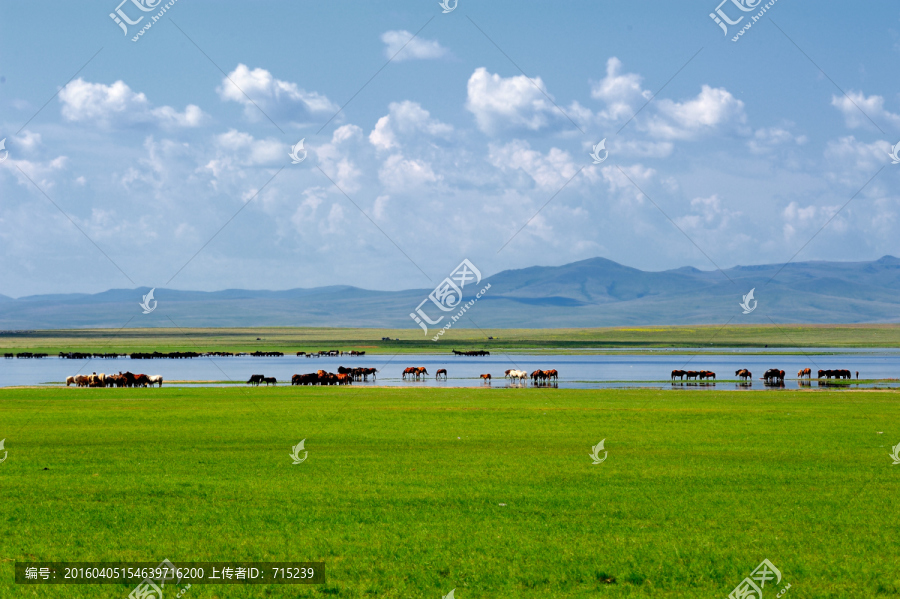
(414, 492)
(619, 339)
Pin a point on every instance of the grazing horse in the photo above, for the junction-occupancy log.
(486, 377)
(518, 374)
(552, 374)
(804, 372)
(678, 373)
(438, 374)
(410, 371)
(156, 379)
(70, 380)
(743, 374)
(269, 379)
(344, 379)
(305, 379)
(773, 375)
(141, 380)
(421, 372)
(256, 379)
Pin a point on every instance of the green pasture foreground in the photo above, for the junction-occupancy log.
(309, 339)
(414, 492)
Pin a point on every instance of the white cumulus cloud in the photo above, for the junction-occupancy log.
(118, 105)
(712, 109)
(858, 109)
(549, 171)
(258, 90)
(406, 174)
(622, 93)
(507, 102)
(409, 48)
(405, 118)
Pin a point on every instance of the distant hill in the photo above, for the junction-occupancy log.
(589, 293)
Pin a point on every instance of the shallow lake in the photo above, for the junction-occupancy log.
(650, 369)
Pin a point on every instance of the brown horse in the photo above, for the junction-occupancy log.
(804, 372)
(486, 377)
(438, 374)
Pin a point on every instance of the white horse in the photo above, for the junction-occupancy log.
(156, 379)
(517, 374)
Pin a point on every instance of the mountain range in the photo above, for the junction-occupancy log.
(589, 293)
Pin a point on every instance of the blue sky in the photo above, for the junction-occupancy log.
(449, 150)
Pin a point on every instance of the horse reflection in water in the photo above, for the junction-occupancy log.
(546, 383)
(692, 384)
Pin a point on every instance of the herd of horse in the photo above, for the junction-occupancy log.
(313, 378)
(693, 374)
(344, 376)
(419, 372)
(123, 379)
(772, 375)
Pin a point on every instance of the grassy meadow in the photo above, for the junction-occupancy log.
(491, 492)
(288, 339)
